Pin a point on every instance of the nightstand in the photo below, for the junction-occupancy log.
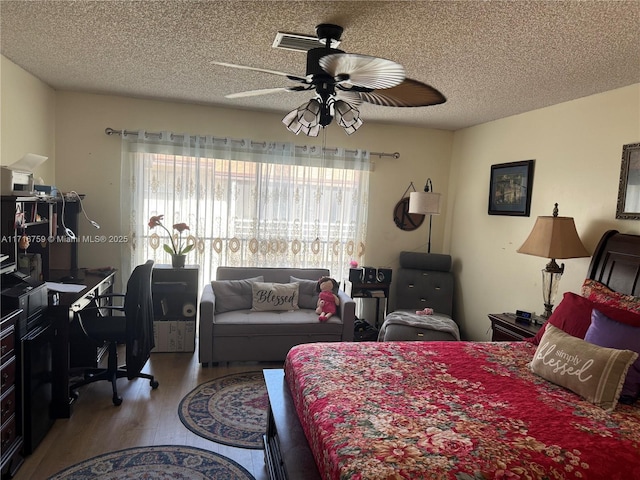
(506, 329)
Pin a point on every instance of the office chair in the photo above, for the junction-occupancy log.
(130, 324)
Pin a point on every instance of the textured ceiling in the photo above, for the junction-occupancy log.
(491, 59)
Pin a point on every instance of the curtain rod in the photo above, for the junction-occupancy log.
(111, 131)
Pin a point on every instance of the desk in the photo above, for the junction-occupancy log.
(62, 317)
(374, 291)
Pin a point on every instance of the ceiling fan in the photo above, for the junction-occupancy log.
(341, 82)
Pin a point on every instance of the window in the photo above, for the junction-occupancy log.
(274, 205)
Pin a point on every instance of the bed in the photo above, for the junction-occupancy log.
(469, 410)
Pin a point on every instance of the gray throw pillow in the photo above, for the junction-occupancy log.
(234, 294)
(308, 295)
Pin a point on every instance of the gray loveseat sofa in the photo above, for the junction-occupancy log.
(230, 331)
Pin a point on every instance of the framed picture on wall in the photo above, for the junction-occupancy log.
(510, 188)
(628, 206)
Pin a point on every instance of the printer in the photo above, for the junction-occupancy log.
(17, 178)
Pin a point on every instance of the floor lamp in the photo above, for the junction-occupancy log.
(553, 237)
(425, 203)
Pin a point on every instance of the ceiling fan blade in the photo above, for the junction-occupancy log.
(295, 78)
(351, 97)
(363, 70)
(410, 93)
(266, 91)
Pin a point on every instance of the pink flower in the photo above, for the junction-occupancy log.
(176, 247)
(155, 221)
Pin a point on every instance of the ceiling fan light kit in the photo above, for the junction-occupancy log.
(342, 81)
(347, 116)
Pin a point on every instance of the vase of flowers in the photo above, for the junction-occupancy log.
(176, 249)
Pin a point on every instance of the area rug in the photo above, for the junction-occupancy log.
(159, 462)
(231, 410)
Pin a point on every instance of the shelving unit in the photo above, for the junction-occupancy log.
(41, 220)
(175, 307)
(375, 291)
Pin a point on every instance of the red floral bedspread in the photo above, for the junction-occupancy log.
(452, 410)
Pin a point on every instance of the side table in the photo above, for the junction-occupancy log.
(506, 329)
(374, 291)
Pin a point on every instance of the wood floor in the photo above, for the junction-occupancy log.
(146, 417)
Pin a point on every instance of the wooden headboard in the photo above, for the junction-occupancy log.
(616, 262)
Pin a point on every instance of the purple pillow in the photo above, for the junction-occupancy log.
(609, 333)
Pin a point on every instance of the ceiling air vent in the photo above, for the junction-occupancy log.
(298, 42)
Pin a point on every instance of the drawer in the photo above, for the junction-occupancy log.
(8, 434)
(8, 374)
(7, 405)
(7, 344)
(505, 335)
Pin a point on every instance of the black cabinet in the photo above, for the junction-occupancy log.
(175, 307)
(11, 418)
(36, 385)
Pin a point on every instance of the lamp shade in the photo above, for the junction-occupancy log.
(554, 237)
(424, 203)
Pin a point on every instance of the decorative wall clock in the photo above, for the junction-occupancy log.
(403, 219)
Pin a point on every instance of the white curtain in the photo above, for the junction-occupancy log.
(246, 203)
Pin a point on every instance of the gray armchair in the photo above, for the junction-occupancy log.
(424, 280)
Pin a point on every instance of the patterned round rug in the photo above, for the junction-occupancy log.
(163, 462)
(231, 410)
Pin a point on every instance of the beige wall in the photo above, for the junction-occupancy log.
(89, 161)
(577, 147)
(27, 118)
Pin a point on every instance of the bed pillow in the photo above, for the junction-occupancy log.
(234, 294)
(269, 297)
(600, 293)
(573, 315)
(609, 333)
(593, 372)
(308, 298)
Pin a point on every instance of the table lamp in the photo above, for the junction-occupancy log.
(553, 237)
(425, 203)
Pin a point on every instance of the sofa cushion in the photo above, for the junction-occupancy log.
(308, 295)
(268, 297)
(234, 294)
(245, 323)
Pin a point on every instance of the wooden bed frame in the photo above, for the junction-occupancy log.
(615, 263)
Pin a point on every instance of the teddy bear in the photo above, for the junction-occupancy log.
(328, 300)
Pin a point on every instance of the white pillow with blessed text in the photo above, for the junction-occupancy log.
(274, 296)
